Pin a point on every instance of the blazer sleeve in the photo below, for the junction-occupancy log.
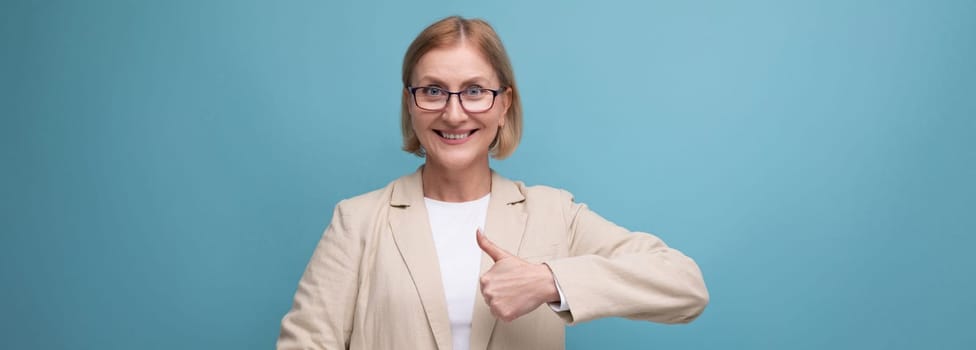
(613, 272)
(321, 316)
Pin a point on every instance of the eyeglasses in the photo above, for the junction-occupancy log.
(472, 99)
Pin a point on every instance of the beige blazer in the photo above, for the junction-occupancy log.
(374, 281)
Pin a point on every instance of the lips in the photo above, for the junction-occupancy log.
(455, 135)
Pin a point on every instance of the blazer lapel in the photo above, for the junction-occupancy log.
(412, 235)
(505, 226)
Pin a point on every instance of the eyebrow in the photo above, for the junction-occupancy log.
(470, 81)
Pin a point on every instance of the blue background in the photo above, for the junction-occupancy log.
(168, 167)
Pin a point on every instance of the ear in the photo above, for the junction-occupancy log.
(506, 104)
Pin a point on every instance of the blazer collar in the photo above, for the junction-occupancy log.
(409, 190)
(505, 224)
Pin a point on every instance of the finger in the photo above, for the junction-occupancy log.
(495, 252)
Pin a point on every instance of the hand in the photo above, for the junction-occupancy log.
(514, 287)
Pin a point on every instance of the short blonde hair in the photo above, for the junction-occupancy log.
(453, 31)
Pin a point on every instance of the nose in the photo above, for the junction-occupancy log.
(453, 112)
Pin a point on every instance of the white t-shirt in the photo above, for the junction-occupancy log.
(453, 228)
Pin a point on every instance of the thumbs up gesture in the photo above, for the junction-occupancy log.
(514, 287)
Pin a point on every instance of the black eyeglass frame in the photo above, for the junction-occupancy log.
(413, 92)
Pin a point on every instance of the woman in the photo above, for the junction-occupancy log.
(457, 256)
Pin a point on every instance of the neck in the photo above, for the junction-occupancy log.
(449, 185)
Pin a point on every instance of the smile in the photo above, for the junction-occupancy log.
(458, 135)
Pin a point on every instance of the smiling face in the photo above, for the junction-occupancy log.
(454, 138)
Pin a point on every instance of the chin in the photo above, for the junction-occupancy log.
(456, 161)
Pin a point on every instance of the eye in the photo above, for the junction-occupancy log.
(432, 91)
(473, 91)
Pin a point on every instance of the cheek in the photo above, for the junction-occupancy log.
(421, 128)
(417, 122)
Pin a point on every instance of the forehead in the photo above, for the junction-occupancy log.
(454, 65)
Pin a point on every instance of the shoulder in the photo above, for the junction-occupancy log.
(371, 199)
(544, 193)
(361, 209)
(518, 190)
(379, 197)
(543, 201)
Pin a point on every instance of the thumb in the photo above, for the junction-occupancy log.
(495, 252)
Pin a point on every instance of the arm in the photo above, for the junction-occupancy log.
(614, 272)
(322, 313)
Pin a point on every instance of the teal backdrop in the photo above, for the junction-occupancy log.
(168, 166)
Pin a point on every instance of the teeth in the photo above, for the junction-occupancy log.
(455, 136)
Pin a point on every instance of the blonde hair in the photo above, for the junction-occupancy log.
(453, 31)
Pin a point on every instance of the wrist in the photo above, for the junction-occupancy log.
(548, 285)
